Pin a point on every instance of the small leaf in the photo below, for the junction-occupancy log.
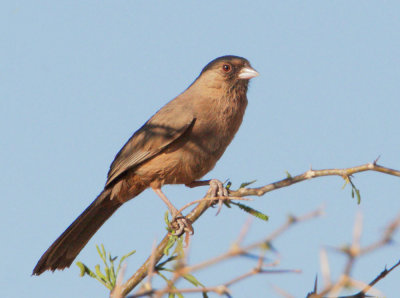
(161, 265)
(85, 270)
(123, 259)
(111, 270)
(288, 175)
(179, 247)
(102, 254)
(346, 181)
(356, 191)
(166, 218)
(205, 295)
(244, 184)
(267, 245)
(228, 185)
(107, 271)
(81, 268)
(99, 273)
(358, 196)
(99, 251)
(171, 242)
(190, 278)
(226, 203)
(252, 211)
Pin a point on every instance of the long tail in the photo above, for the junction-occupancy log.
(64, 250)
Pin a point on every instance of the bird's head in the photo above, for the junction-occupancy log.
(227, 72)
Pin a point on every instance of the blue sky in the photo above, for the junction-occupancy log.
(77, 78)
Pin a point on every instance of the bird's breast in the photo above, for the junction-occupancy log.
(197, 151)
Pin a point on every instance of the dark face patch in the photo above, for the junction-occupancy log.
(236, 61)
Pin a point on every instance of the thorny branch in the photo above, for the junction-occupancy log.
(203, 205)
(235, 251)
(310, 174)
(353, 252)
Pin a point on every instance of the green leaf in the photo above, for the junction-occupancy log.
(288, 175)
(228, 185)
(356, 191)
(190, 278)
(244, 184)
(161, 265)
(99, 273)
(108, 279)
(82, 269)
(266, 245)
(179, 247)
(104, 255)
(226, 203)
(99, 251)
(358, 196)
(85, 270)
(252, 211)
(171, 241)
(123, 259)
(111, 271)
(346, 181)
(166, 218)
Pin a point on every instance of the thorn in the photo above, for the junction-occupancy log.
(316, 284)
(376, 160)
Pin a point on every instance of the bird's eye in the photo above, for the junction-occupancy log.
(226, 67)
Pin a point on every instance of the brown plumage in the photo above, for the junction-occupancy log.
(178, 145)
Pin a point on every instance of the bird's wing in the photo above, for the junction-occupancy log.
(167, 125)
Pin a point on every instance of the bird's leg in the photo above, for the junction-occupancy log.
(217, 187)
(197, 183)
(179, 223)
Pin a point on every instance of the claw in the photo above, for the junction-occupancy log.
(181, 225)
(217, 189)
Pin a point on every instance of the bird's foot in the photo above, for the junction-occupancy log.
(218, 190)
(180, 225)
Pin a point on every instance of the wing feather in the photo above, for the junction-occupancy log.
(162, 129)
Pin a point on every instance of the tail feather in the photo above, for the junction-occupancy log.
(64, 250)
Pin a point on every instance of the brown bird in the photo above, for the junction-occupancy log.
(178, 145)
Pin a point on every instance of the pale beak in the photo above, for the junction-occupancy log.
(247, 73)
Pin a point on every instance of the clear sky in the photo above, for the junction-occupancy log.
(77, 78)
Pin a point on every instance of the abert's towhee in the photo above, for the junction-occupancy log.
(178, 145)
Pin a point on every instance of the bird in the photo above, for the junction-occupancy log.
(179, 144)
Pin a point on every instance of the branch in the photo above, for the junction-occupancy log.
(234, 251)
(158, 253)
(382, 275)
(310, 174)
(352, 253)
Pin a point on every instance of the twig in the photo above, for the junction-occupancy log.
(310, 174)
(381, 276)
(141, 273)
(355, 251)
